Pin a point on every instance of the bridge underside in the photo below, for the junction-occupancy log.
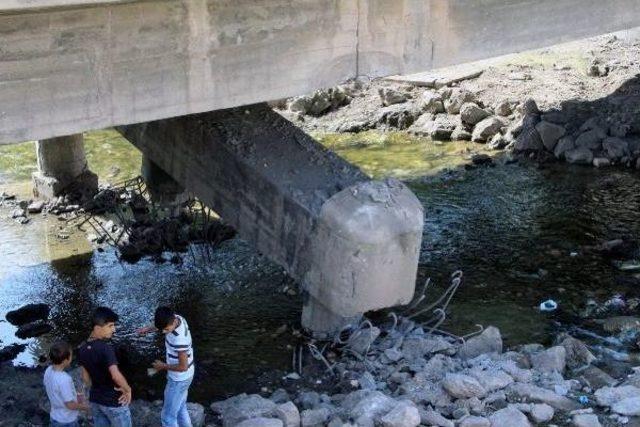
(67, 66)
(352, 243)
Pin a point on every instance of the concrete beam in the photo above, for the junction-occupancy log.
(353, 243)
(75, 67)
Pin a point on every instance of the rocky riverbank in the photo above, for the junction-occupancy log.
(579, 106)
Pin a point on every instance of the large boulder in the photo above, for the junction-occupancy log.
(458, 97)
(442, 128)
(565, 144)
(550, 360)
(431, 102)
(591, 139)
(489, 341)
(629, 406)
(550, 134)
(288, 413)
(579, 156)
(577, 352)
(608, 396)
(486, 129)
(471, 114)
(528, 139)
(33, 329)
(615, 148)
(367, 405)
(400, 116)
(390, 96)
(28, 313)
(541, 413)
(243, 407)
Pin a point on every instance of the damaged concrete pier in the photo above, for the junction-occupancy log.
(353, 243)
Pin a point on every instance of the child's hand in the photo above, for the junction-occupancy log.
(125, 398)
(159, 366)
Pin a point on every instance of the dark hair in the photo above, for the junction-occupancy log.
(59, 352)
(164, 316)
(102, 316)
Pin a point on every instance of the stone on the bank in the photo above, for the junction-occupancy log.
(35, 207)
(288, 413)
(431, 102)
(550, 134)
(196, 414)
(320, 102)
(498, 142)
(28, 313)
(405, 414)
(473, 421)
(457, 98)
(550, 360)
(586, 420)
(361, 340)
(541, 412)
(259, 422)
(368, 404)
(471, 114)
(577, 352)
(629, 406)
(591, 139)
(314, 417)
(596, 378)
(492, 380)
(309, 399)
(430, 417)
(503, 108)
(10, 352)
(393, 354)
(601, 162)
(529, 106)
(555, 117)
(442, 128)
(529, 138)
(460, 134)
(18, 213)
(33, 329)
(537, 394)
(519, 374)
(579, 156)
(486, 129)
(509, 416)
(489, 341)
(367, 381)
(400, 116)
(615, 148)
(243, 407)
(607, 396)
(390, 96)
(463, 386)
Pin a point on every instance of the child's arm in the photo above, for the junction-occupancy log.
(123, 385)
(182, 366)
(146, 329)
(86, 379)
(76, 406)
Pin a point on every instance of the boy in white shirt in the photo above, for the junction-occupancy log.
(179, 366)
(60, 388)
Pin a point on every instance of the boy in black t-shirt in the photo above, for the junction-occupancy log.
(110, 393)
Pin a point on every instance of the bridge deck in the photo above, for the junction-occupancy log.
(72, 65)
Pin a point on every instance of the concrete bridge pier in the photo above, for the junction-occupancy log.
(352, 243)
(62, 168)
(161, 186)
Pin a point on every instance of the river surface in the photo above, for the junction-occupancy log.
(517, 231)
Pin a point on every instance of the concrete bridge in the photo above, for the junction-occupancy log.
(168, 74)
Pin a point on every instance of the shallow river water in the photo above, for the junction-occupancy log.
(518, 232)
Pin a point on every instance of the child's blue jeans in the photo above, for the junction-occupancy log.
(174, 410)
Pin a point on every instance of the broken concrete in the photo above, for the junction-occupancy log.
(353, 243)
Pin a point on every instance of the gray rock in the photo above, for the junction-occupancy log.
(473, 421)
(541, 413)
(281, 395)
(400, 116)
(260, 422)
(595, 377)
(509, 416)
(288, 413)
(442, 128)
(463, 386)
(320, 102)
(586, 420)
(489, 341)
(390, 96)
(492, 380)
(243, 407)
(597, 69)
(35, 207)
(498, 142)
(18, 213)
(457, 98)
(528, 138)
(601, 162)
(556, 117)
(393, 354)
(579, 156)
(615, 148)
(471, 114)
(361, 340)
(629, 406)
(405, 414)
(591, 139)
(529, 106)
(430, 417)
(196, 413)
(608, 396)
(486, 129)
(431, 102)
(577, 352)
(368, 404)
(517, 373)
(503, 108)
(367, 381)
(460, 134)
(314, 417)
(537, 394)
(550, 134)
(553, 359)
(565, 144)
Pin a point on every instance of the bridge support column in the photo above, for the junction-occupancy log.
(351, 242)
(62, 168)
(161, 186)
